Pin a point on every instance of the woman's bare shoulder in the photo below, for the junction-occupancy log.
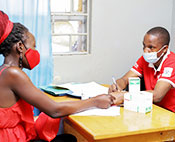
(14, 73)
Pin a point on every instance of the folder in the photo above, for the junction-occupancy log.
(55, 90)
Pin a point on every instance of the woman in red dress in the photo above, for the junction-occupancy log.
(18, 94)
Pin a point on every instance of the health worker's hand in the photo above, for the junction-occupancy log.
(114, 88)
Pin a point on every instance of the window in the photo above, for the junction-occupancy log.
(70, 26)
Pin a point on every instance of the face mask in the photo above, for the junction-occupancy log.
(33, 57)
(152, 56)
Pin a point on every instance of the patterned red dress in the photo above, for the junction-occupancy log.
(17, 124)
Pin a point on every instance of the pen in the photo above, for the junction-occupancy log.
(113, 79)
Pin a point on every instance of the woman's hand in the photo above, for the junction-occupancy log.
(103, 101)
(119, 97)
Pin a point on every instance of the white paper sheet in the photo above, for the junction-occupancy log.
(85, 90)
(111, 111)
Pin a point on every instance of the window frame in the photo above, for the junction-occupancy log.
(73, 15)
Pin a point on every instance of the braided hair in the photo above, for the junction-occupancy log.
(15, 36)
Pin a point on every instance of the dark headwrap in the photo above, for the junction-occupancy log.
(6, 26)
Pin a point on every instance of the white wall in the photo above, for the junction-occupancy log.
(173, 29)
(118, 27)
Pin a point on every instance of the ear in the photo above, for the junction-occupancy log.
(19, 46)
(165, 49)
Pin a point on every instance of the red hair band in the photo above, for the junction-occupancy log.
(7, 31)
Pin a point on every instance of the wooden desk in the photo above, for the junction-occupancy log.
(158, 125)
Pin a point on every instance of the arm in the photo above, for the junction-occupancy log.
(122, 82)
(23, 88)
(160, 90)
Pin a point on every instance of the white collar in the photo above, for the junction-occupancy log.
(151, 65)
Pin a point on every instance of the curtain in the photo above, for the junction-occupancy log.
(35, 15)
